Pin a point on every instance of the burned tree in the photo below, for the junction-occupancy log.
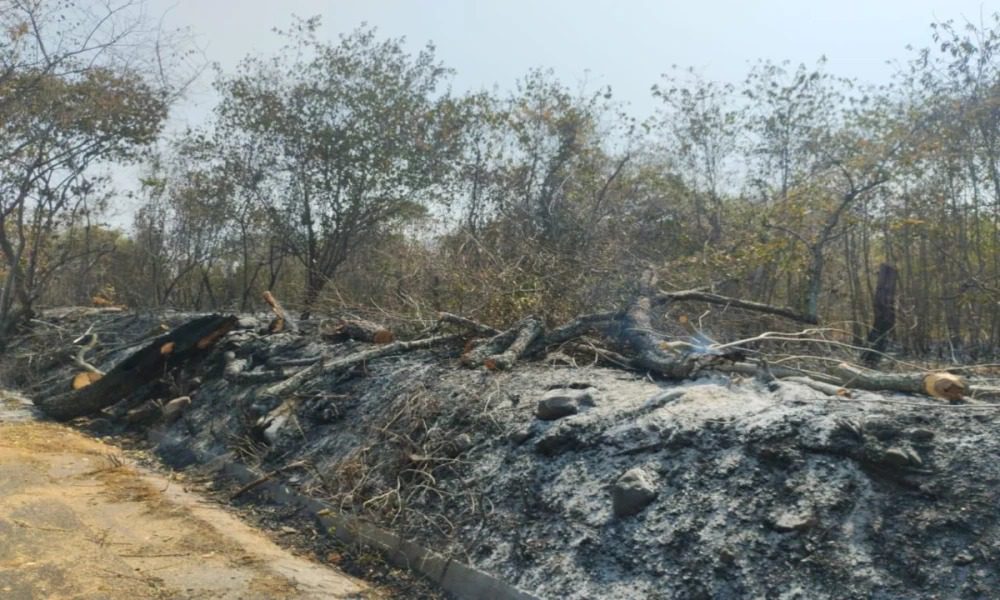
(884, 315)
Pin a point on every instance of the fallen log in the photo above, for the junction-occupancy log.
(527, 333)
(477, 354)
(181, 344)
(700, 296)
(937, 384)
(822, 387)
(362, 331)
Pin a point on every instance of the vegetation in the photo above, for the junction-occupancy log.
(346, 174)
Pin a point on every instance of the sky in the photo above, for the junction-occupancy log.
(626, 44)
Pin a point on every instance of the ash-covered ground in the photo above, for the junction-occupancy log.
(589, 482)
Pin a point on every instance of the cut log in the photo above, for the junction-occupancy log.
(362, 331)
(186, 342)
(699, 296)
(528, 331)
(937, 384)
(946, 386)
(85, 378)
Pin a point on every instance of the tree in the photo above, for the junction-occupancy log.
(70, 101)
(355, 140)
(701, 124)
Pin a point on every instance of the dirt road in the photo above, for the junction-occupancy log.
(77, 522)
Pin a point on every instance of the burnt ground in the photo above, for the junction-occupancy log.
(629, 487)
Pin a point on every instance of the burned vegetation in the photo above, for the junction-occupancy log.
(622, 454)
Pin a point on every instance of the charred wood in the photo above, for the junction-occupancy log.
(189, 341)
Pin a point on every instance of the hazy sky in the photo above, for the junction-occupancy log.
(626, 44)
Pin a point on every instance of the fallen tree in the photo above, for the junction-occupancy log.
(184, 343)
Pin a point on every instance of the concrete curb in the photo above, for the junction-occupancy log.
(457, 578)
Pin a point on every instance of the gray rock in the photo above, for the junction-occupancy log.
(550, 409)
(521, 435)
(561, 438)
(901, 457)
(560, 403)
(247, 322)
(632, 492)
(172, 410)
(786, 521)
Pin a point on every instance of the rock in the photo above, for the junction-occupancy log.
(562, 438)
(560, 403)
(922, 436)
(172, 410)
(247, 322)
(901, 457)
(963, 558)
(550, 409)
(632, 492)
(786, 521)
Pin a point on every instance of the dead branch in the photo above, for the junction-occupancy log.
(822, 387)
(282, 320)
(529, 330)
(235, 371)
(279, 363)
(475, 326)
(266, 477)
(699, 296)
(576, 328)
(347, 362)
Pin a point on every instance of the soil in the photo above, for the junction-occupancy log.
(78, 520)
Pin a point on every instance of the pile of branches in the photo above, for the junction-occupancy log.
(624, 338)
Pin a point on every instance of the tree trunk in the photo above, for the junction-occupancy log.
(884, 315)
